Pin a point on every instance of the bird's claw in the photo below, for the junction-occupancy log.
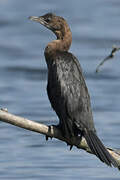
(71, 146)
(47, 137)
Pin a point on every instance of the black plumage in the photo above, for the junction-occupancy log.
(68, 94)
(67, 90)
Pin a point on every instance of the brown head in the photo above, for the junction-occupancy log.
(60, 28)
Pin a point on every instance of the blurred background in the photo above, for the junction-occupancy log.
(95, 26)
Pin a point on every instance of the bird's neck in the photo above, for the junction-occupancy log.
(61, 44)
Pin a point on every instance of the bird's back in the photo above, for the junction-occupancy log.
(68, 93)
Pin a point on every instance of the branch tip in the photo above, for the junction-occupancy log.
(110, 56)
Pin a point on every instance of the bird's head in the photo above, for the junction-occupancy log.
(55, 23)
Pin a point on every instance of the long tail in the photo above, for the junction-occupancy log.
(99, 149)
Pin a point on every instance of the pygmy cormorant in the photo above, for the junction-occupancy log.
(67, 90)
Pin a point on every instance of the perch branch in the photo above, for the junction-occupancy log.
(110, 56)
(50, 131)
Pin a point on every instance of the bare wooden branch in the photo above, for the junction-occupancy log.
(110, 56)
(50, 131)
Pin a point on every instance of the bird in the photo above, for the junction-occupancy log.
(67, 90)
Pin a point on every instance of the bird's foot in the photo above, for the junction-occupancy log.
(47, 137)
(49, 129)
(71, 146)
(78, 138)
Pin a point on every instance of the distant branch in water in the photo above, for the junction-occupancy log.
(114, 50)
(50, 131)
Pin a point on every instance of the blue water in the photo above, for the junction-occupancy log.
(95, 26)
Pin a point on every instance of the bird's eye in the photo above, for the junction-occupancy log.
(48, 19)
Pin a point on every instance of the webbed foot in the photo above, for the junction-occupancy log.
(49, 129)
(47, 137)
